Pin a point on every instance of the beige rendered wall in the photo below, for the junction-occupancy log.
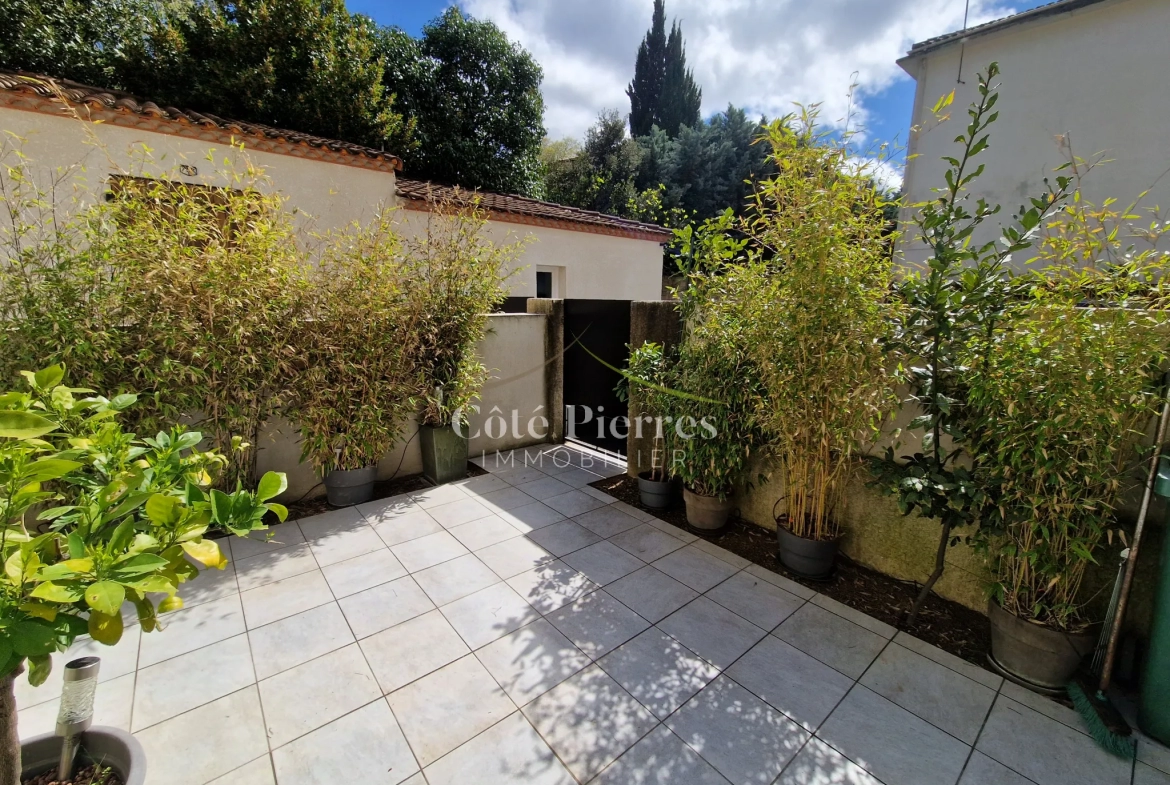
(596, 266)
(323, 195)
(1090, 73)
(513, 353)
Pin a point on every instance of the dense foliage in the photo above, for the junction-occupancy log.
(951, 304)
(211, 304)
(94, 517)
(663, 92)
(1060, 395)
(817, 302)
(458, 277)
(116, 518)
(185, 294)
(705, 389)
(461, 104)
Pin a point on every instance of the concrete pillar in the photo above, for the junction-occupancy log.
(651, 321)
(554, 363)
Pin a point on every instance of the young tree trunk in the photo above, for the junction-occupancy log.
(940, 563)
(10, 744)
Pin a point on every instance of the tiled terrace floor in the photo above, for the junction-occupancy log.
(524, 628)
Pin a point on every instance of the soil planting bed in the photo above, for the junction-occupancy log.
(88, 775)
(948, 625)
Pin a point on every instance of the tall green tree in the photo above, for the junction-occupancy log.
(663, 92)
(476, 99)
(681, 97)
(645, 90)
(307, 65)
(602, 176)
(461, 104)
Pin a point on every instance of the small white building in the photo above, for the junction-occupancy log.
(1087, 72)
(86, 134)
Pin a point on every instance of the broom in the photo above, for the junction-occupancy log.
(1105, 723)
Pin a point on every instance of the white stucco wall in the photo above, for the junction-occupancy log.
(323, 195)
(595, 266)
(1097, 74)
(513, 353)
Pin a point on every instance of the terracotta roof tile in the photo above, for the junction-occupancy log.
(50, 88)
(548, 213)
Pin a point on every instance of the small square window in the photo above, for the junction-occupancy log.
(544, 284)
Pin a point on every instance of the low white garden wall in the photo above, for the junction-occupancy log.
(513, 410)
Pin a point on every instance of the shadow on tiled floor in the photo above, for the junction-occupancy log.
(522, 627)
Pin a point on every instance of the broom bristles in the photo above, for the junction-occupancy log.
(1090, 707)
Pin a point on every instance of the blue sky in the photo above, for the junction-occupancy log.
(759, 54)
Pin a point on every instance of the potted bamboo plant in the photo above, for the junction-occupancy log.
(358, 384)
(818, 313)
(458, 278)
(647, 370)
(1060, 396)
(711, 382)
(94, 517)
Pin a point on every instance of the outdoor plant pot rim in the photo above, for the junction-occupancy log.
(645, 476)
(1086, 628)
(693, 492)
(1033, 655)
(129, 760)
(836, 539)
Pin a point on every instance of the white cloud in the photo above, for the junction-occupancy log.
(762, 55)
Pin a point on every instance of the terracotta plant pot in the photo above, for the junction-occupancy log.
(444, 453)
(707, 513)
(347, 488)
(105, 746)
(656, 494)
(1034, 655)
(806, 557)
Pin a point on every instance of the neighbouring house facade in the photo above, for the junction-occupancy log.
(1085, 74)
(75, 139)
(83, 135)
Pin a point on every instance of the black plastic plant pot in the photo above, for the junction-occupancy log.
(1032, 655)
(444, 453)
(347, 488)
(656, 494)
(805, 557)
(707, 514)
(104, 746)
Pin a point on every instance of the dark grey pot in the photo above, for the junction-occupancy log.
(1034, 655)
(350, 487)
(809, 558)
(707, 513)
(104, 746)
(444, 453)
(656, 494)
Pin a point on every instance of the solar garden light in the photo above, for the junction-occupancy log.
(76, 714)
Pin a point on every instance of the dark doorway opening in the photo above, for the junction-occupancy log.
(597, 335)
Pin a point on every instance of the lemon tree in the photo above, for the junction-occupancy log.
(94, 517)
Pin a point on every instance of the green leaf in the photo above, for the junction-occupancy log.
(48, 469)
(139, 564)
(39, 669)
(272, 484)
(64, 593)
(24, 425)
(48, 378)
(76, 546)
(279, 510)
(105, 597)
(188, 440)
(123, 401)
(32, 638)
(163, 510)
(221, 506)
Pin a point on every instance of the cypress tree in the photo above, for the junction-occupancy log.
(645, 91)
(681, 97)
